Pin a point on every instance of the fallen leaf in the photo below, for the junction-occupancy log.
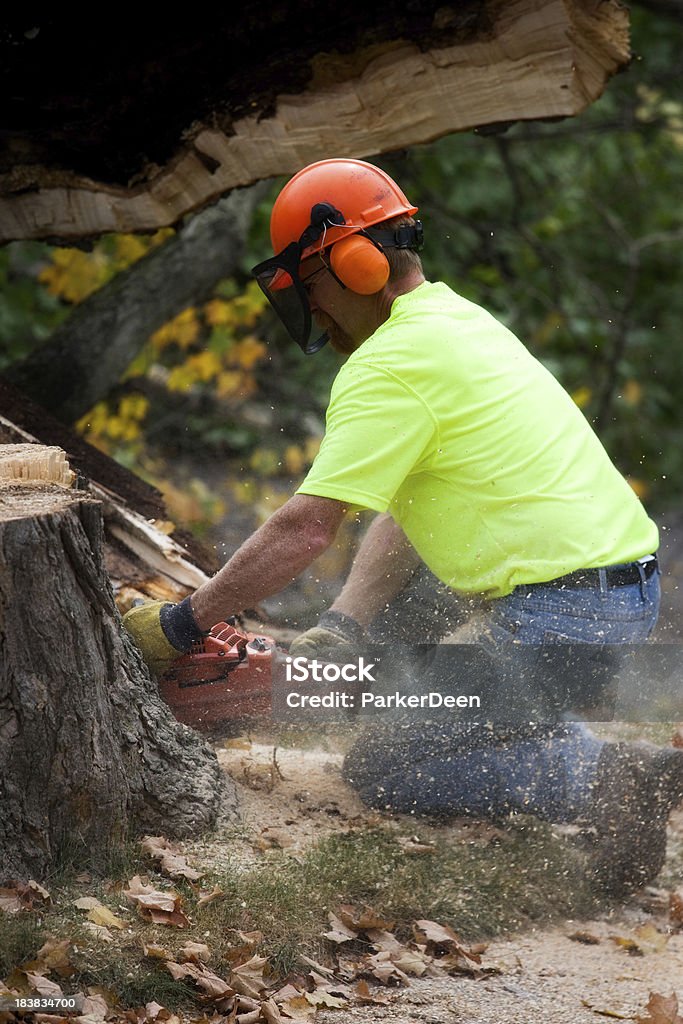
(53, 955)
(238, 743)
(154, 951)
(10, 901)
(43, 986)
(94, 1009)
(645, 940)
(215, 987)
(208, 897)
(98, 931)
(434, 934)
(382, 967)
(43, 893)
(587, 938)
(270, 1012)
(174, 919)
(365, 996)
(319, 998)
(248, 978)
(339, 932)
(103, 916)
(661, 1010)
(606, 1011)
(16, 896)
(676, 908)
(298, 1008)
(87, 903)
(171, 859)
(382, 940)
(411, 961)
(158, 906)
(361, 919)
(152, 1010)
(195, 952)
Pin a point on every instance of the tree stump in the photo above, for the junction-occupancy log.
(89, 752)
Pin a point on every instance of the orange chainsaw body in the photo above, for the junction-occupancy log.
(228, 675)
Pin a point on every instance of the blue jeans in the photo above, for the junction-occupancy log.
(543, 769)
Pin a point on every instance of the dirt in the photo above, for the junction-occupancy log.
(292, 797)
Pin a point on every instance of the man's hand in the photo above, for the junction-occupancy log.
(144, 625)
(335, 638)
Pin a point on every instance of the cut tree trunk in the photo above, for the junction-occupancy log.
(89, 753)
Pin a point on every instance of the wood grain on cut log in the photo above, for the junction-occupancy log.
(88, 750)
(537, 59)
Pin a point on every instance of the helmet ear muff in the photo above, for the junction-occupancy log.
(359, 264)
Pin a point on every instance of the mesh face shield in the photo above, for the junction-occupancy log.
(280, 282)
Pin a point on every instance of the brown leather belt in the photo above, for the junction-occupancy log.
(615, 575)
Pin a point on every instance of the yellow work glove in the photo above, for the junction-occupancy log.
(336, 638)
(162, 631)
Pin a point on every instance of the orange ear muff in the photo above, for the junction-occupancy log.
(360, 265)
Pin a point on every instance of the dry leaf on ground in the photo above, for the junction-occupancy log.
(158, 906)
(16, 896)
(214, 987)
(661, 1010)
(170, 858)
(339, 932)
(676, 908)
(644, 940)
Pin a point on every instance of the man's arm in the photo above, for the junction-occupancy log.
(270, 559)
(381, 569)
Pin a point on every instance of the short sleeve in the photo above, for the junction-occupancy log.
(378, 432)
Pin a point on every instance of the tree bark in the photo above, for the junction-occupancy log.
(85, 357)
(89, 753)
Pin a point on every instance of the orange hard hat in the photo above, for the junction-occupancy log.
(363, 193)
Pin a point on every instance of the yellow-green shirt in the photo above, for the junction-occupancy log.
(443, 419)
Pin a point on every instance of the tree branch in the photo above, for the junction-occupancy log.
(86, 356)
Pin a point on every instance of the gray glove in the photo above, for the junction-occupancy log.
(335, 638)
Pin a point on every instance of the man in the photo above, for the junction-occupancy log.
(483, 470)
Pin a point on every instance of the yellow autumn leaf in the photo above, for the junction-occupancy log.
(130, 248)
(582, 396)
(104, 917)
(294, 459)
(632, 392)
(218, 312)
(182, 330)
(248, 352)
(134, 406)
(641, 487)
(74, 275)
(228, 383)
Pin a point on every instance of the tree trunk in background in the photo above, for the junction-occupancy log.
(85, 357)
(89, 752)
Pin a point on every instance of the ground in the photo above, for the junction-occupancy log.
(292, 797)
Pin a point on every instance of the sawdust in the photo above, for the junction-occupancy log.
(292, 798)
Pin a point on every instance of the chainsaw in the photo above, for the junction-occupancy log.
(227, 676)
